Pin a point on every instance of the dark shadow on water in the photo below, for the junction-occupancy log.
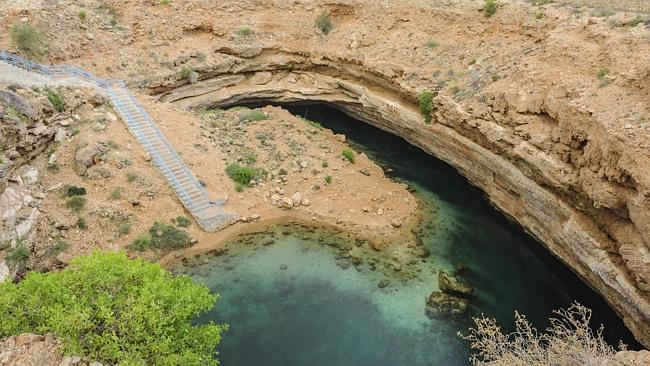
(301, 322)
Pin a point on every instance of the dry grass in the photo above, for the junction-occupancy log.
(628, 5)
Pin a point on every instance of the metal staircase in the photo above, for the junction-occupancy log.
(210, 215)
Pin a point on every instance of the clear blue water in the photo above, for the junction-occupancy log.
(297, 302)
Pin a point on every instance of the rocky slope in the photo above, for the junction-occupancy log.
(545, 108)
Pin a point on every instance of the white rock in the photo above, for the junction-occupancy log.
(296, 199)
(66, 122)
(287, 202)
(27, 224)
(60, 134)
(10, 202)
(275, 198)
(4, 271)
(30, 176)
(306, 202)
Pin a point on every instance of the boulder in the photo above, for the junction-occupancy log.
(440, 305)
(30, 176)
(449, 284)
(296, 199)
(87, 156)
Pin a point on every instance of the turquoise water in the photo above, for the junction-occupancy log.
(292, 297)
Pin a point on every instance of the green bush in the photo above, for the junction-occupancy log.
(182, 221)
(426, 105)
(82, 15)
(489, 8)
(168, 237)
(328, 179)
(141, 243)
(81, 223)
(18, 255)
(59, 246)
(245, 31)
(75, 191)
(324, 23)
(324, 164)
(254, 116)
(28, 38)
(76, 203)
(185, 72)
(600, 74)
(348, 155)
(116, 194)
(124, 229)
(243, 174)
(108, 308)
(57, 100)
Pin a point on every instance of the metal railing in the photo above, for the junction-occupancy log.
(138, 121)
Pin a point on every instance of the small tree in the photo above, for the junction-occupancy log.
(109, 308)
(426, 105)
(568, 341)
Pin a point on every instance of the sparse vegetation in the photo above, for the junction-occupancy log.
(53, 168)
(59, 246)
(141, 243)
(426, 105)
(245, 31)
(568, 341)
(542, 2)
(56, 100)
(114, 310)
(19, 255)
(82, 15)
(81, 223)
(168, 237)
(116, 194)
(328, 179)
(113, 145)
(324, 23)
(600, 74)
(313, 123)
(131, 177)
(124, 229)
(489, 8)
(250, 157)
(539, 15)
(29, 39)
(431, 44)
(254, 116)
(76, 203)
(348, 155)
(165, 2)
(243, 175)
(324, 164)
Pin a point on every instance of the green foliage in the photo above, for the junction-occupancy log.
(348, 155)
(542, 2)
(431, 44)
(328, 179)
(185, 72)
(324, 164)
(75, 191)
(539, 15)
(54, 168)
(81, 223)
(313, 123)
(124, 229)
(254, 116)
(18, 255)
(108, 308)
(324, 23)
(59, 246)
(28, 38)
(489, 8)
(239, 188)
(600, 74)
(113, 145)
(426, 105)
(245, 31)
(250, 157)
(76, 203)
(165, 2)
(243, 175)
(57, 100)
(82, 15)
(168, 237)
(141, 243)
(131, 176)
(182, 221)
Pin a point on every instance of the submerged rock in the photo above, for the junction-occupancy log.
(451, 285)
(440, 304)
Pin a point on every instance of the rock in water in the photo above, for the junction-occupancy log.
(440, 305)
(451, 285)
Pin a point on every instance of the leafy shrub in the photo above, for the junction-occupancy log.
(81, 223)
(243, 175)
(28, 38)
(328, 179)
(489, 8)
(76, 203)
(59, 246)
(314, 124)
(141, 243)
(75, 191)
(250, 157)
(82, 15)
(568, 341)
(167, 237)
(185, 72)
(348, 155)
(245, 31)
(426, 105)
(600, 74)
(108, 308)
(57, 100)
(124, 229)
(182, 221)
(324, 164)
(324, 23)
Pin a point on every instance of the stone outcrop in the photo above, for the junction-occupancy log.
(545, 161)
(30, 349)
